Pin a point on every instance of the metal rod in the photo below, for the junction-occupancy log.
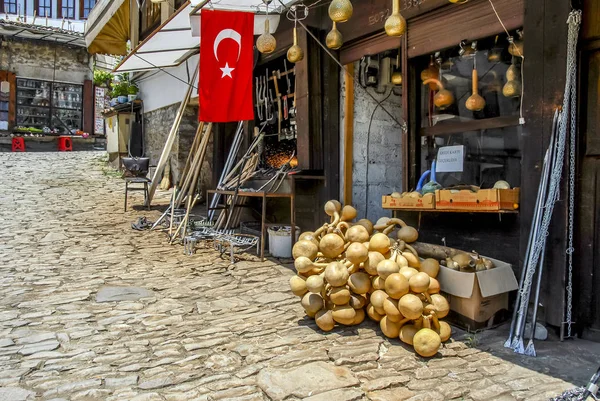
(530, 350)
(517, 343)
(537, 209)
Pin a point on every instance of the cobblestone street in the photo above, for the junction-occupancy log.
(192, 328)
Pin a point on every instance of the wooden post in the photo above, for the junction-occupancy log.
(171, 138)
(348, 132)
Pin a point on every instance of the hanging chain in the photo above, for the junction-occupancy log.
(574, 21)
(554, 189)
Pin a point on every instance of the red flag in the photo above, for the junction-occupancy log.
(226, 61)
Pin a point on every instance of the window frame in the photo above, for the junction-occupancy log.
(36, 7)
(82, 8)
(61, 5)
(4, 9)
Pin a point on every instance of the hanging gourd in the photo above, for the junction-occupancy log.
(395, 24)
(444, 97)
(334, 38)
(495, 54)
(431, 72)
(458, 1)
(513, 87)
(266, 42)
(295, 53)
(397, 74)
(340, 10)
(515, 47)
(475, 102)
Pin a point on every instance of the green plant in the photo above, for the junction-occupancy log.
(119, 88)
(132, 89)
(102, 78)
(471, 340)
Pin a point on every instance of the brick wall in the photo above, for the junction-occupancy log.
(45, 60)
(384, 150)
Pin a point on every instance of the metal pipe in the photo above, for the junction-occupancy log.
(517, 343)
(530, 350)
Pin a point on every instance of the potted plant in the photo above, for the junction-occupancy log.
(102, 78)
(132, 92)
(121, 91)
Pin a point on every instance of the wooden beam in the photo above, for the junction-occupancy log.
(171, 138)
(348, 132)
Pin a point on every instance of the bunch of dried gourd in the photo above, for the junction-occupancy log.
(348, 270)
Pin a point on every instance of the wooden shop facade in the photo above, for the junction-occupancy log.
(356, 136)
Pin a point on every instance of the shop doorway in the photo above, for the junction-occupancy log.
(587, 269)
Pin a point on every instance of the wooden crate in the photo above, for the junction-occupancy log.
(426, 202)
(484, 199)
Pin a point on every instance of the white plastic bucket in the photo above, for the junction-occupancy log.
(280, 245)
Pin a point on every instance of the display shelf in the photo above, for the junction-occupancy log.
(502, 211)
(457, 127)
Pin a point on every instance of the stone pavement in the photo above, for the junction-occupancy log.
(194, 328)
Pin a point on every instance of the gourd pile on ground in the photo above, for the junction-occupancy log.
(347, 271)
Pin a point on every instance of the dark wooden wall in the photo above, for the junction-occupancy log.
(587, 250)
(544, 79)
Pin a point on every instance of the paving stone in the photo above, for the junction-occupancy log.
(309, 379)
(396, 394)
(16, 394)
(38, 347)
(112, 294)
(342, 394)
(123, 381)
(384, 382)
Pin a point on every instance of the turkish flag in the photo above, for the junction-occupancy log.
(226, 62)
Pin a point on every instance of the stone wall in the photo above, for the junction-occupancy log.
(45, 60)
(383, 154)
(157, 125)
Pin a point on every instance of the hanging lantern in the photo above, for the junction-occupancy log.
(266, 42)
(334, 38)
(295, 53)
(340, 10)
(395, 24)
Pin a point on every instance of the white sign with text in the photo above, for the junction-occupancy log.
(450, 159)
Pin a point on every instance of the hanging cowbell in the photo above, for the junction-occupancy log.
(295, 53)
(266, 42)
(395, 24)
(340, 10)
(334, 38)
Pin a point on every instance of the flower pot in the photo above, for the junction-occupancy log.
(122, 99)
(114, 102)
(131, 98)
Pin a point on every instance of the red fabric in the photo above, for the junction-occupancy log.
(225, 83)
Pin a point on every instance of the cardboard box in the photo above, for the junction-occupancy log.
(478, 300)
(484, 199)
(426, 202)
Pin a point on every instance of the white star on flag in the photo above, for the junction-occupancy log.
(226, 71)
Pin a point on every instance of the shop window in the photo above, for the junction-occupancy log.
(43, 8)
(85, 7)
(8, 6)
(66, 9)
(150, 18)
(486, 125)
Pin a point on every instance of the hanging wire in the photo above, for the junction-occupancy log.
(510, 40)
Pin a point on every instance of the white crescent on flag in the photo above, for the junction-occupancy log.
(228, 34)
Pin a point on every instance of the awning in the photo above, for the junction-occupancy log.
(38, 32)
(107, 28)
(175, 41)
